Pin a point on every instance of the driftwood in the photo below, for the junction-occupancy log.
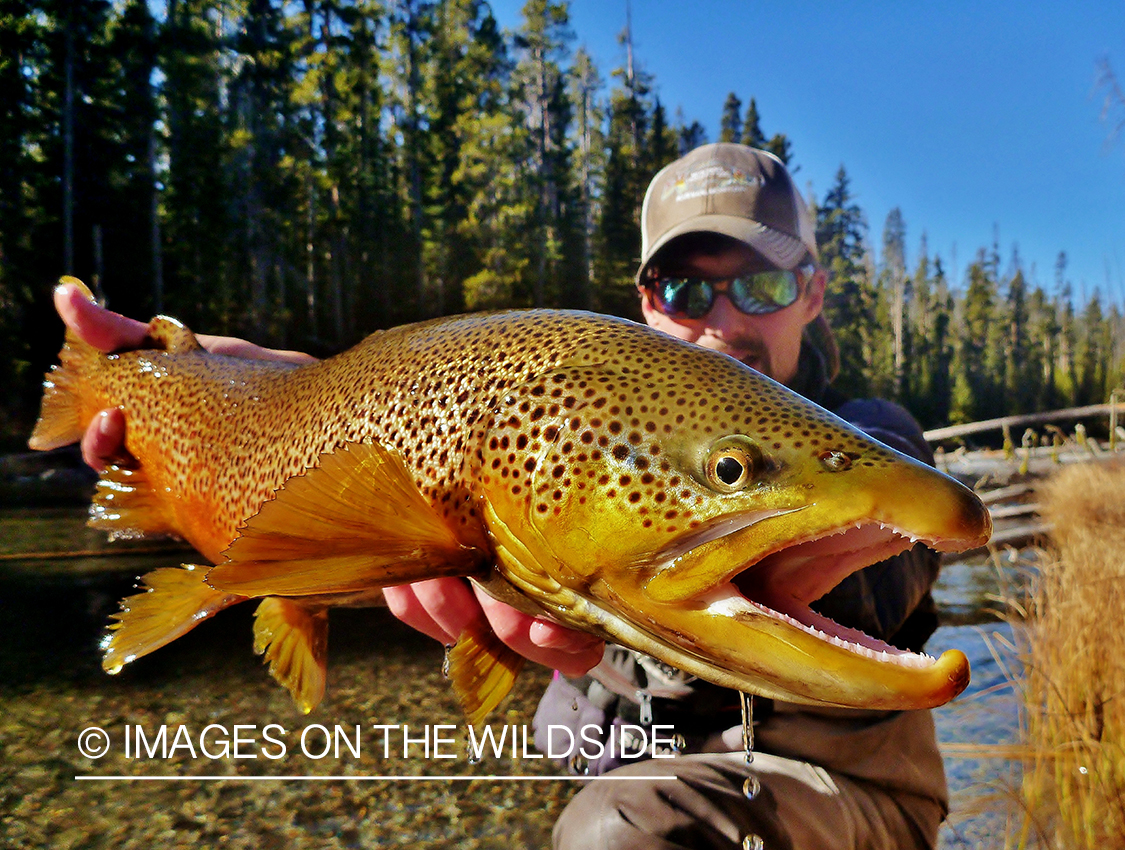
(1014, 511)
(936, 435)
(1002, 494)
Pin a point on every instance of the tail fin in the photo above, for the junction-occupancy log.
(61, 419)
(171, 604)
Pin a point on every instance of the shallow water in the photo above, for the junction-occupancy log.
(987, 713)
(52, 614)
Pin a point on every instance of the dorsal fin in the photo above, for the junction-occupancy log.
(354, 522)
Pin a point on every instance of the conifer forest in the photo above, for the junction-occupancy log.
(304, 172)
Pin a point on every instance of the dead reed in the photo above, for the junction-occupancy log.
(1073, 680)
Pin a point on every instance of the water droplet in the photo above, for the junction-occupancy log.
(753, 842)
(473, 757)
(579, 765)
(1083, 771)
(574, 705)
(445, 660)
(747, 701)
(751, 787)
(645, 699)
(679, 743)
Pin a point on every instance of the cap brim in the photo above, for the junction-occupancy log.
(779, 249)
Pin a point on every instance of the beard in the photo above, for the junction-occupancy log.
(751, 351)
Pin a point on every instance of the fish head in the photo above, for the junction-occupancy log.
(680, 503)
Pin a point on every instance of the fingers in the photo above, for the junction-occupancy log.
(241, 348)
(101, 328)
(104, 440)
(442, 608)
(569, 651)
(109, 331)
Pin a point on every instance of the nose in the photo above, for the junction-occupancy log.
(724, 319)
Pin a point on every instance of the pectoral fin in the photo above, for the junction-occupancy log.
(482, 669)
(294, 640)
(354, 522)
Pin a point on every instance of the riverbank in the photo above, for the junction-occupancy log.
(1073, 793)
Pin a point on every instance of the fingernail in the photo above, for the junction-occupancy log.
(104, 426)
(68, 282)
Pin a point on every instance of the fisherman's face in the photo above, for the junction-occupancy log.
(768, 342)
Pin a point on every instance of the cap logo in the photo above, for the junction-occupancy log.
(709, 179)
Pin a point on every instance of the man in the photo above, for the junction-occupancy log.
(728, 262)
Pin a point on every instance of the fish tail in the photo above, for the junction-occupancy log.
(173, 601)
(293, 638)
(63, 415)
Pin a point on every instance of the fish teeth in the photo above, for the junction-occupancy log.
(732, 604)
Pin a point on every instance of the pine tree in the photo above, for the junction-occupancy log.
(585, 83)
(730, 124)
(1044, 323)
(626, 178)
(690, 137)
(262, 119)
(199, 256)
(543, 40)
(411, 26)
(22, 211)
(133, 263)
(1091, 387)
(895, 292)
(978, 393)
(752, 127)
(1023, 370)
(849, 302)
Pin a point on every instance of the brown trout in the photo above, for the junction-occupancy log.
(595, 471)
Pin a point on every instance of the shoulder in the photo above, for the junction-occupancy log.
(888, 422)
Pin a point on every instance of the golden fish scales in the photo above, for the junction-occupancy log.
(575, 465)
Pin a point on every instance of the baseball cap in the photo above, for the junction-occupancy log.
(733, 190)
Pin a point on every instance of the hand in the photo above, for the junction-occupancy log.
(104, 440)
(440, 608)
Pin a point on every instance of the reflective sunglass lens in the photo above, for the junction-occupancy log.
(764, 292)
(684, 297)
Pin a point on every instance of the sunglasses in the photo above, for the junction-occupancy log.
(754, 294)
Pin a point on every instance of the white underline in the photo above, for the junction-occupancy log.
(179, 778)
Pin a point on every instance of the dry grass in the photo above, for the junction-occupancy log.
(1074, 670)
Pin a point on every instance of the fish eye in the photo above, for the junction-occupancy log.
(733, 463)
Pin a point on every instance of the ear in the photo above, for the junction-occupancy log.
(814, 295)
(648, 310)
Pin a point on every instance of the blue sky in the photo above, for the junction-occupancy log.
(969, 117)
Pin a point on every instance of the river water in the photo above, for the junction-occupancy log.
(238, 724)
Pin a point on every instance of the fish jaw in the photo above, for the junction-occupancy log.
(750, 626)
(736, 643)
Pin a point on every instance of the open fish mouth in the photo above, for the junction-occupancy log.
(732, 605)
(784, 583)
